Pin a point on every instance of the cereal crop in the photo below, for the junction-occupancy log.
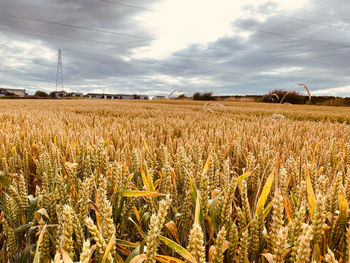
(171, 181)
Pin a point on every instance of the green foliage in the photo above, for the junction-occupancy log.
(284, 96)
(202, 96)
(40, 93)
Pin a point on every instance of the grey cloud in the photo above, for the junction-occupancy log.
(86, 53)
(278, 44)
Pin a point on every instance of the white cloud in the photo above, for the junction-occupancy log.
(280, 71)
(20, 53)
(340, 91)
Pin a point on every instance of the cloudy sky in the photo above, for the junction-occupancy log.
(156, 46)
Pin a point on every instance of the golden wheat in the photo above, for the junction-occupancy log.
(117, 181)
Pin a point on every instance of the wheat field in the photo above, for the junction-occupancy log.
(173, 181)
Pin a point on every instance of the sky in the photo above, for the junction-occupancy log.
(228, 47)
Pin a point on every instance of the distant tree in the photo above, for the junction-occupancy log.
(282, 96)
(347, 101)
(202, 96)
(136, 97)
(40, 93)
(181, 96)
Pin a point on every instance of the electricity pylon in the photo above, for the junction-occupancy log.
(59, 75)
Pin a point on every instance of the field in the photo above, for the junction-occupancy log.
(168, 181)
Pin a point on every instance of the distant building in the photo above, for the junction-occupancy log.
(94, 95)
(103, 96)
(3, 93)
(12, 92)
(77, 94)
(111, 96)
(17, 92)
(127, 97)
(58, 94)
(116, 96)
(143, 97)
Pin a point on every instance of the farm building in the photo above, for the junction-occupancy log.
(76, 94)
(11, 92)
(103, 96)
(3, 93)
(127, 97)
(58, 94)
(94, 95)
(116, 96)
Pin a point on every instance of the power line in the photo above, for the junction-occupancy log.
(201, 61)
(128, 5)
(205, 72)
(145, 38)
(269, 11)
(296, 19)
(302, 20)
(256, 54)
(210, 63)
(323, 14)
(274, 11)
(270, 56)
(221, 49)
(61, 37)
(256, 77)
(74, 26)
(55, 36)
(257, 30)
(290, 36)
